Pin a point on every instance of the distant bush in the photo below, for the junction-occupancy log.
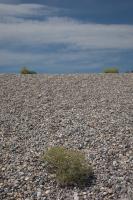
(111, 70)
(129, 71)
(69, 166)
(25, 70)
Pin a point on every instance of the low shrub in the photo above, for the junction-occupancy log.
(69, 166)
(25, 70)
(111, 70)
(129, 71)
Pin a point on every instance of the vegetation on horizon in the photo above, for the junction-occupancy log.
(111, 70)
(129, 71)
(25, 70)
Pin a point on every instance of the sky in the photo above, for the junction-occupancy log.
(66, 36)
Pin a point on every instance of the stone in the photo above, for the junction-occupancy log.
(47, 192)
(39, 193)
(115, 163)
(75, 196)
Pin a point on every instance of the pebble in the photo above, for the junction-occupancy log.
(39, 193)
(115, 163)
(47, 192)
(75, 196)
(26, 178)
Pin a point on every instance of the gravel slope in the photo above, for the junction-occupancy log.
(90, 112)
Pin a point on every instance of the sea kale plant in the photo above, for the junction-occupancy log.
(69, 166)
(25, 70)
(111, 70)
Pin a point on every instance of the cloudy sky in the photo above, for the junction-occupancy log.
(66, 36)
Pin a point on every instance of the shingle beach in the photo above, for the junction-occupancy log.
(89, 112)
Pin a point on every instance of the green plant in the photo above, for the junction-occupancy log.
(69, 166)
(25, 70)
(111, 70)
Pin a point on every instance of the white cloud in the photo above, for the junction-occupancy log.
(61, 30)
(50, 59)
(17, 32)
(63, 61)
(15, 28)
(10, 1)
(24, 10)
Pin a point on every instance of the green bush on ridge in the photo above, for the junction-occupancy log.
(25, 70)
(111, 70)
